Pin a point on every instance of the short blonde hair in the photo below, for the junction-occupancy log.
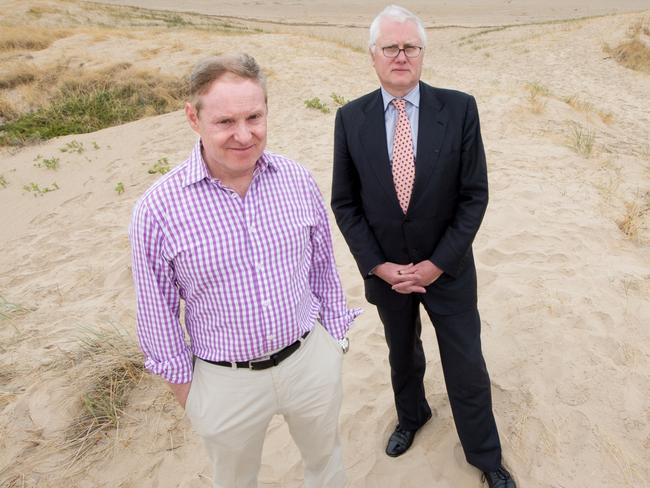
(209, 70)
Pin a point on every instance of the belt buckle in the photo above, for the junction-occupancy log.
(255, 361)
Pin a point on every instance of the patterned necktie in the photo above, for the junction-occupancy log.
(403, 161)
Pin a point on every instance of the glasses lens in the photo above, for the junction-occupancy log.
(412, 51)
(391, 51)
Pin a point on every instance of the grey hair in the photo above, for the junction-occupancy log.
(209, 70)
(399, 14)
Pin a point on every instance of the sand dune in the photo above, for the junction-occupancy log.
(564, 293)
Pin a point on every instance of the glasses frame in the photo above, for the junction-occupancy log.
(400, 50)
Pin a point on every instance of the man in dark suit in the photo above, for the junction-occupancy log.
(409, 192)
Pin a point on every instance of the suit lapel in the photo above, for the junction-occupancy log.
(373, 140)
(432, 125)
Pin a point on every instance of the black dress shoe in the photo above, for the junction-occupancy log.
(499, 478)
(399, 441)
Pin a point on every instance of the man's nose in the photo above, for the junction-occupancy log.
(242, 133)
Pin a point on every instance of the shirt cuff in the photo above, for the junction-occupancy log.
(176, 370)
(338, 326)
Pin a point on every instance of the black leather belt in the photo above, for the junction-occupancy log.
(272, 360)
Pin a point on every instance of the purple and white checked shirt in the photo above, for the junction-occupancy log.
(254, 272)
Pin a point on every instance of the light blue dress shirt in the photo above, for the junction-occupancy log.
(412, 99)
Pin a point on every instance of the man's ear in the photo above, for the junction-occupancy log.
(192, 116)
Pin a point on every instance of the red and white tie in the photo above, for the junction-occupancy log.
(403, 160)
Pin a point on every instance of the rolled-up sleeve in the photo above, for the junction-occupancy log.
(323, 277)
(159, 329)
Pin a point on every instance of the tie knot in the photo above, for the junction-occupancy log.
(399, 103)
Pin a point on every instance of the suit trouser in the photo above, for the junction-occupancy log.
(466, 376)
(230, 408)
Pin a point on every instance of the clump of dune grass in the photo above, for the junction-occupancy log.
(7, 110)
(580, 105)
(28, 38)
(89, 101)
(536, 92)
(634, 53)
(582, 140)
(632, 220)
(9, 310)
(16, 74)
(110, 366)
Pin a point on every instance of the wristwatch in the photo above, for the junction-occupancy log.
(345, 344)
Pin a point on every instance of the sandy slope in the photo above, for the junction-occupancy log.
(564, 296)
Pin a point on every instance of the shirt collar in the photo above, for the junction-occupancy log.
(197, 169)
(413, 97)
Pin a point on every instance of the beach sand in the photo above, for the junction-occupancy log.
(564, 294)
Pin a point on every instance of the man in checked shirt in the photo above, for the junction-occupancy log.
(241, 235)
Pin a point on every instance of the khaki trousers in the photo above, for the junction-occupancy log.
(231, 410)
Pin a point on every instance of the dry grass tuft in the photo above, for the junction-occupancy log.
(110, 365)
(577, 104)
(632, 221)
(10, 310)
(582, 140)
(7, 110)
(16, 74)
(635, 52)
(28, 38)
(535, 93)
(583, 106)
(83, 101)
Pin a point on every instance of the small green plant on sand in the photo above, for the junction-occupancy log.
(49, 163)
(338, 99)
(37, 191)
(582, 140)
(119, 188)
(73, 146)
(316, 104)
(3, 182)
(161, 166)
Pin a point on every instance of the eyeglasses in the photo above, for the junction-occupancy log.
(409, 51)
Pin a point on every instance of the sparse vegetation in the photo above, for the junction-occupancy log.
(316, 104)
(535, 93)
(73, 146)
(10, 310)
(3, 182)
(37, 191)
(119, 188)
(49, 163)
(7, 110)
(27, 38)
(110, 365)
(86, 102)
(162, 167)
(577, 104)
(632, 220)
(580, 105)
(338, 100)
(634, 53)
(16, 74)
(582, 140)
